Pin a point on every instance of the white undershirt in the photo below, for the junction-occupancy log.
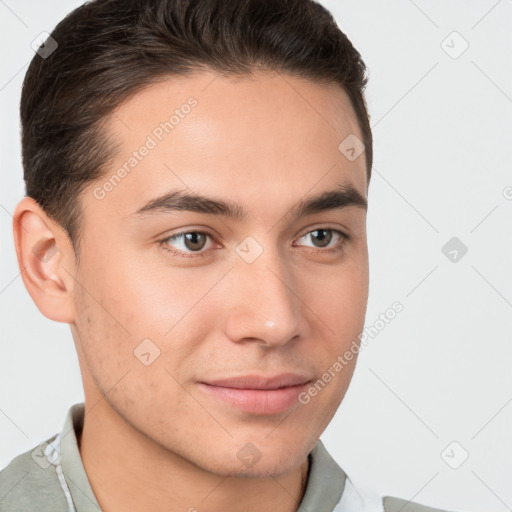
(358, 499)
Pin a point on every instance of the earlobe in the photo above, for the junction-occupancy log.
(44, 255)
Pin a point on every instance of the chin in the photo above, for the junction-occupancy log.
(264, 459)
(265, 468)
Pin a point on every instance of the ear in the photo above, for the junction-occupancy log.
(46, 259)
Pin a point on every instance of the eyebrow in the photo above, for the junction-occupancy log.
(181, 200)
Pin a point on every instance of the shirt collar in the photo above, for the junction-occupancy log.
(71, 462)
(325, 486)
(326, 482)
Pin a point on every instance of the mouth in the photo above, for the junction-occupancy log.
(256, 394)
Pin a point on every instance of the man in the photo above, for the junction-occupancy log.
(197, 176)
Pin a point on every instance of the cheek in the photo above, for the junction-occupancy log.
(105, 338)
(341, 308)
(111, 318)
(340, 300)
(154, 298)
(128, 304)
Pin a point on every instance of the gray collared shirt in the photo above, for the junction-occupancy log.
(52, 478)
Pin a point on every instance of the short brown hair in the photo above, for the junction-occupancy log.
(109, 50)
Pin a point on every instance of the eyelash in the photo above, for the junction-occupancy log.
(175, 252)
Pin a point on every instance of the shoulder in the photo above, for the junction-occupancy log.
(392, 504)
(30, 481)
(363, 498)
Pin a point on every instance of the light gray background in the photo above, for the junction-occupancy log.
(441, 370)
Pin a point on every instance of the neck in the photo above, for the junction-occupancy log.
(119, 459)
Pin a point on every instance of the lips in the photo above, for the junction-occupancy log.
(258, 382)
(256, 394)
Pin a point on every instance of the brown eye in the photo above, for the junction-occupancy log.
(323, 239)
(322, 236)
(194, 241)
(187, 242)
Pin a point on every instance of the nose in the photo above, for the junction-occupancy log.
(264, 307)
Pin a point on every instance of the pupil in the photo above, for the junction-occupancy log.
(191, 240)
(320, 234)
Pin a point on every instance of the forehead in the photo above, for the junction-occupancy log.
(270, 134)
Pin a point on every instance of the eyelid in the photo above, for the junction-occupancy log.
(318, 227)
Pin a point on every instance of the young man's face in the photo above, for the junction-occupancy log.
(158, 319)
